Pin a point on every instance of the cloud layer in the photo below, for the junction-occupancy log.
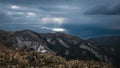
(107, 9)
(55, 14)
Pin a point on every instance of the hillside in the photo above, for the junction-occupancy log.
(24, 58)
(111, 45)
(60, 44)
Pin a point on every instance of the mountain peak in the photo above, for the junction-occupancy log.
(25, 30)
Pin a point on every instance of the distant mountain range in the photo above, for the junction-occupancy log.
(61, 44)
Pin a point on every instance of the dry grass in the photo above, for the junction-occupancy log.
(29, 59)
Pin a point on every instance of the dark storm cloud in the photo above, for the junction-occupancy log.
(72, 10)
(4, 18)
(106, 9)
(39, 8)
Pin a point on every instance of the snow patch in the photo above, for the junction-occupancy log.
(67, 52)
(91, 50)
(41, 49)
(49, 40)
(63, 43)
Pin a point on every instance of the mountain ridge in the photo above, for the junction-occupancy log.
(61, 44)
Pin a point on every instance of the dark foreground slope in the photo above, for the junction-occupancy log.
(25, 58)
(111, 45)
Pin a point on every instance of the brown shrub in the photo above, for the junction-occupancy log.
(29, 59)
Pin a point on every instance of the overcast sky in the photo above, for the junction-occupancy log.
(84, 18)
